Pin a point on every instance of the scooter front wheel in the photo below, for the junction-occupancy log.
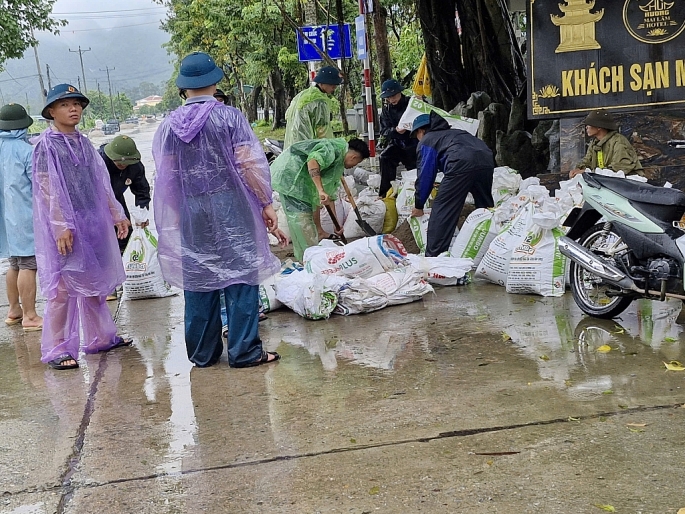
(590, 292)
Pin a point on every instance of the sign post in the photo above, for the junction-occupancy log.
(363, 54)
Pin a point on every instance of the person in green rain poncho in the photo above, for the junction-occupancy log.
(309, 114)
(307, 175)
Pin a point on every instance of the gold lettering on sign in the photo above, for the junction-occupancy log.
(593, 81)
(577, 26)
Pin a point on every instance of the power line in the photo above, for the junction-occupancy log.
(115, 11)
(111, 28)
(17, 79)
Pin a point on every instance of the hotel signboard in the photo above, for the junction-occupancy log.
(619, 54)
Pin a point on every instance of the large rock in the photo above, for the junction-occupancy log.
(554, 137)
(517, 116)
(477, 102)
(459, 109)
(493, 119)
(516, 151)
(541, 145)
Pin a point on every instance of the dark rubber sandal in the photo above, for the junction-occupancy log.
(121, 342)
(58, 363)
(263, 360)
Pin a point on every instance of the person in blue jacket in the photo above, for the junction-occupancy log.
(16, 217)
(468, 166)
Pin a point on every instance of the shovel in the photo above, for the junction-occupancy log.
(363, 224)
(331, 213)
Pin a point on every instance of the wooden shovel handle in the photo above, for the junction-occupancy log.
(349, 193)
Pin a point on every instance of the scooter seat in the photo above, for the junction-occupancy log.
(639, 191)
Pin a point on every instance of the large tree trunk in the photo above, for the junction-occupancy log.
(492, 57)
(254, 100)
(449, 83)
(380, 32)
(276, 85)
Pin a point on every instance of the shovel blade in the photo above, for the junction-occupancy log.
(366, 228)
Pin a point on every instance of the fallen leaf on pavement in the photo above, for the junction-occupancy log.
(506, 337)
(544, 357)
(605, 348)
(606, 508)
(636, 424)
(374, 490)
(573, 419)
(619, 330)
(670, 339)
(608, 391)
(674, 366)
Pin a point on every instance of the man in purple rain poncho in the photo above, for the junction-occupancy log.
(212, 203)
(77, 253)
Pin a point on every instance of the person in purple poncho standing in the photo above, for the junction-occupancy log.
(76, 251)
(212, 205)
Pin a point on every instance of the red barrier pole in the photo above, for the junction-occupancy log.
(369, 97)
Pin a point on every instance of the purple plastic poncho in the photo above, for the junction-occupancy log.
(72, 190)
(212, 182)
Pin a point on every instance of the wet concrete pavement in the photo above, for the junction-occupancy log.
(471, 401)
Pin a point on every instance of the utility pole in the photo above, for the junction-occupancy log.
(28, 107)
(43, 92)
(79, 83)
(109, 82)
(47, 68)
(83, 70)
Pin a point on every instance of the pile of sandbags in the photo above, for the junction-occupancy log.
(366, 275)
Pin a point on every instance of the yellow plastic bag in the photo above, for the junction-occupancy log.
(422, 85)
(391, 215)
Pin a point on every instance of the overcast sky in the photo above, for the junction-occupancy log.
(85, 14)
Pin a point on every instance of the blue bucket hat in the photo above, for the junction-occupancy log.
(328, 75)
(60, 92)
(421, 121)
(390, 88)
(198, 70)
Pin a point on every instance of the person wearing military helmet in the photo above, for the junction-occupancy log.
(126, 171)
(16, 218)
(400, 147)
(220, 96)
(309, 117)
(609, 149)
(76, 251)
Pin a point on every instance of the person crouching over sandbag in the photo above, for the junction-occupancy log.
(468, 165)
(307, 175)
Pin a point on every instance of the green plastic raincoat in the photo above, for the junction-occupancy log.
(308, 117)
(298, 194)
(613, 152)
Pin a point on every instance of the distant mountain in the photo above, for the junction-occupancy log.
(133, 54)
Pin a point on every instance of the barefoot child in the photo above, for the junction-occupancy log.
(78, 257)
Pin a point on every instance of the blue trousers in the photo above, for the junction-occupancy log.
(203, 325)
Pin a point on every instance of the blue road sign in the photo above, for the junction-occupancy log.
(360, 32)
(326, 38)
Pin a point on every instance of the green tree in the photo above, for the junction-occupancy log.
(18, 20)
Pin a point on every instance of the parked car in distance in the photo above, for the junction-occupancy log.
(134, 121)
(111, 127)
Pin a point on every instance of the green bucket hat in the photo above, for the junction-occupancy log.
(14, 117)
(602, 119)
(122, 149)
